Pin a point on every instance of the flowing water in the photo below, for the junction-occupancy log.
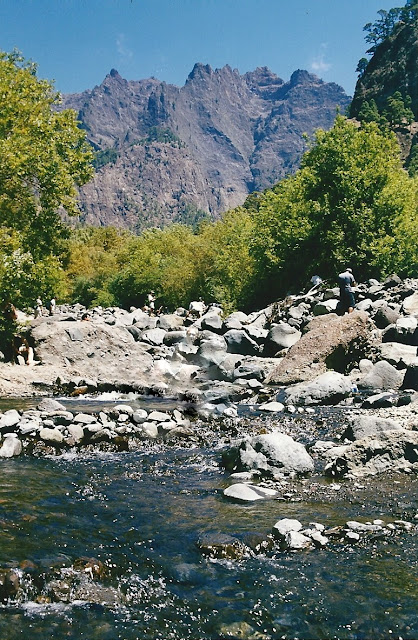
(142, 514)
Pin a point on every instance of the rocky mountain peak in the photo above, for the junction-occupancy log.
(301, 76)
(168, 153)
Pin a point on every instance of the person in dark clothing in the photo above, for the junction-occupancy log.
(346, 283)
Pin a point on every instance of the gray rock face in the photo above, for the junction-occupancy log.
(205, 145)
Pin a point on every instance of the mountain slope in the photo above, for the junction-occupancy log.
(168, 153)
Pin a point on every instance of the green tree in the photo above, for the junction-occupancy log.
(44, 157)
(362, 66)
(398, 110)
(169, 261)
(369, 112)
(348, 202)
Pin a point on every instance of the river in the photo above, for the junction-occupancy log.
(142, 514)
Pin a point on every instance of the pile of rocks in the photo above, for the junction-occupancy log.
(51, 428)
(286, 359)
(290, 535)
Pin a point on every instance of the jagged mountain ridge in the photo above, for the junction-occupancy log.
(218, 138)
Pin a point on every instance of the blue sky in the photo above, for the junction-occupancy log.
(77, 42)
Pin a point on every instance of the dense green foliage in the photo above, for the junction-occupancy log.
(351, 201)
(397, 112)
(44, 157)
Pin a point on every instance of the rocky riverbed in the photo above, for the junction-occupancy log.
(275, 447)
(278, 363)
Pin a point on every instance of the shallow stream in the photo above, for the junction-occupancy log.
(142, 514)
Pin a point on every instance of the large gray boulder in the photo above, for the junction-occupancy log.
(330, 342)
(281, 336)
(238, 341)
(397, 354)
(362, 426)
(269, 453)
(329, 388)
(105, 352)
(382, 376)
(212, 351)
(388, 451)
(170, 322)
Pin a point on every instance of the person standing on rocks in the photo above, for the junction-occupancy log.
(52, 306)
(346, 283)
(151, 303)
(38, 307)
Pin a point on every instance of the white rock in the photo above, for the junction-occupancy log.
(248, 493)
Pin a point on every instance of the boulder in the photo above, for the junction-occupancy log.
(9, 419)
(404, 331)
(93, 357)
(50, 406)
(284, 526)
(388, 451)
(329, 388)
(212, 322)
(170, 322)
(153, 336)
(325, 306)
(238, 341)
(362, 426)
(11, 446)
(211, 351)
(248, 493)
(384, 315)
(52, 436)
(382, 376)
(410, 305)
(174, 337)
(281, 336)
(269, 453)
(397, 354)
(330, 342)
(144, 322)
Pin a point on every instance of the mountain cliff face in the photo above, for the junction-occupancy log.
(167, 153)
(393, 67)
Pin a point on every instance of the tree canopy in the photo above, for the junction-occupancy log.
(351, 201)
(44, 157)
